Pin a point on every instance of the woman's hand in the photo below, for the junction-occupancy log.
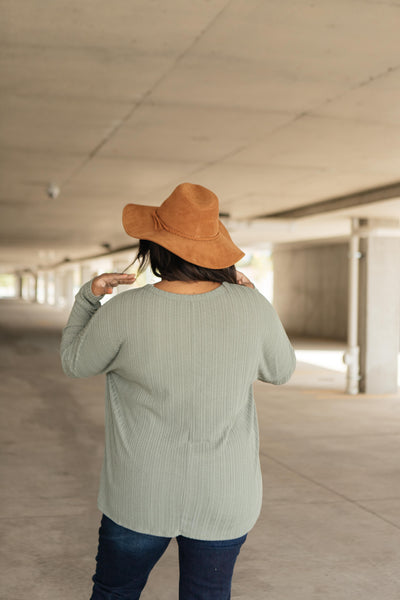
(104, 283)
(241, 279)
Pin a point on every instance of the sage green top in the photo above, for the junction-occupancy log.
(181, 433)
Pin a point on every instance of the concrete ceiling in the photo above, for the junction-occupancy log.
(273, 105)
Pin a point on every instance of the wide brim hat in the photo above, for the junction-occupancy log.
(187, 223)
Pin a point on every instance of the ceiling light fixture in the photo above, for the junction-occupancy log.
(53, 191)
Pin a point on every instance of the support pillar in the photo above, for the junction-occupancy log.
(41, 291)
(35, 287)
(29, 286)
(50, 288)
(45, 276)
(379, 312)
(352, 355)
(18, 285)
(58, 288)
(68, 287)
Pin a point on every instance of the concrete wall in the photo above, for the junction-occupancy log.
(310, 289)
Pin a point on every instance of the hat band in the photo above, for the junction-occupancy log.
(160, 224)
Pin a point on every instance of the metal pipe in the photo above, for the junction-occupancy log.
(352, 355)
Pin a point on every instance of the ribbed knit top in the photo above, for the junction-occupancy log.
(181, 433)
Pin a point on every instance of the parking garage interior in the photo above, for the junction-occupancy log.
(290, 113)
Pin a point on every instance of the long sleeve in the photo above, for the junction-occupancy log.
(90, 342)
(278, 360)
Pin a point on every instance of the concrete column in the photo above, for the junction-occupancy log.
(68, 287)
(379, 313)
(42, 287)
(58, 288)
(45, 276)
(24, 287)
(352, 355)
(35, 289)
(50, 288)
(18, 285)
(29, 287)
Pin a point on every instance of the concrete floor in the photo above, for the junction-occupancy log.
(330, 525)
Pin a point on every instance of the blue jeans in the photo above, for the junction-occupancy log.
(125, 559)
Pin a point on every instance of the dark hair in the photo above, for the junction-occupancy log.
(169, 266)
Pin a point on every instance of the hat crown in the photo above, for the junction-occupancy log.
(191, 211)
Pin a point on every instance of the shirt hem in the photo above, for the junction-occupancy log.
(178, 532)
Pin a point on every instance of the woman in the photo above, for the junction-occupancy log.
(181, 449)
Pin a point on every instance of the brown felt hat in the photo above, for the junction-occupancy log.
(187, 224)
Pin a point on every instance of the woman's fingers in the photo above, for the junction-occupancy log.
(104, 283)
(243, 280)
(114, 279)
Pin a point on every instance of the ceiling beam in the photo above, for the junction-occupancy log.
(377, 194)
